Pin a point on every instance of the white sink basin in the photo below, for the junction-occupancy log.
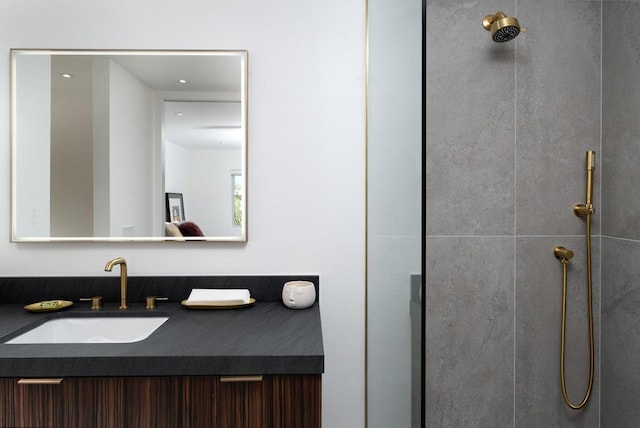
(91, 330)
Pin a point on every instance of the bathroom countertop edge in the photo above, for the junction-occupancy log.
(267, 338)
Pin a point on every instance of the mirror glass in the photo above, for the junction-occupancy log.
(128, 145)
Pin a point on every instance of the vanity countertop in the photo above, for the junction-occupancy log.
(266, 338)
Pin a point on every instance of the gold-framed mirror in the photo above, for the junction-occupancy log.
(101, 138)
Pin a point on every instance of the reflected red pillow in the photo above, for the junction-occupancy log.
(189, 228)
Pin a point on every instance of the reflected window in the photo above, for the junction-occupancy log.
(236, 191)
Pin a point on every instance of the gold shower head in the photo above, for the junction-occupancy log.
(503, 28)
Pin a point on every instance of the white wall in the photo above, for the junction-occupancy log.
(203, 176)
(176, 168)
(306, 152)
(131, 147)
(210, 196)
(33, 217)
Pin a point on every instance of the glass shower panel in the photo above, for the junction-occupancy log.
(394, 213)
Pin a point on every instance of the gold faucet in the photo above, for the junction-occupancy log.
(123, 278)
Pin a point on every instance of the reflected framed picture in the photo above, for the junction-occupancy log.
(175, 207)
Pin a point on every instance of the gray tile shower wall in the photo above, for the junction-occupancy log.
(469, 332)
(621, 214)
(620, 124)
(620, 344)
(470, 124)
(558, 113)
(538, 316)
(508, 126)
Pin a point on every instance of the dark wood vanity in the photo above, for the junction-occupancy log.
(255, 367)
(166, 401)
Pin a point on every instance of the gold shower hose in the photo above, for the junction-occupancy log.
(564, 255)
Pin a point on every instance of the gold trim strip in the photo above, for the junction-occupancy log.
(41, 381)
(256, 378)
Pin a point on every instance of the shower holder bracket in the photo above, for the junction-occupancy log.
(583, 210)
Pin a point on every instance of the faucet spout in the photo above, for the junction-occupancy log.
(123, 278)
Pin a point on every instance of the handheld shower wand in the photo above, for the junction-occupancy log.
(562, 254)
(591, 161)
(582, 210)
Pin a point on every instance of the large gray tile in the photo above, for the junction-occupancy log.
(558, 108)
(470, 332)
(620, 112)
(620, 338)
(539, 400)
(470, 122)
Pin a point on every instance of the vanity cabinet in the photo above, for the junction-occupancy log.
(164, 401)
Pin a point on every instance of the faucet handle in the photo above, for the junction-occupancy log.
(96, 302)
(152, 301)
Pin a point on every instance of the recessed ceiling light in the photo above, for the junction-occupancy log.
(66, 75)
(182, 81)
(179, 113)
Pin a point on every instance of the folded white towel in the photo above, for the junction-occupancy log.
(216, 295)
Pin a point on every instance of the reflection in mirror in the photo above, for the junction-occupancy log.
(100, 137)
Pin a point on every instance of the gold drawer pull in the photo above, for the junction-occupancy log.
(42, 381)
(257, 378)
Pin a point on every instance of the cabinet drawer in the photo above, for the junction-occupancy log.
(166, 401)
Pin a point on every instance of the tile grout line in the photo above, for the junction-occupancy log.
(515, 218)
(601, 224)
